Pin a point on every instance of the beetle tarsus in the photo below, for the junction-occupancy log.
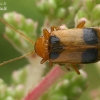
(43, 60)
(76, 68)
(54, 28)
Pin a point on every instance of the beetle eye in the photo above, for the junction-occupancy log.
(54, 40)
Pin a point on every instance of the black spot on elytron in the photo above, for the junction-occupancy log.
(54, 55)
(54, 40)
(90, 36)
(90, 55)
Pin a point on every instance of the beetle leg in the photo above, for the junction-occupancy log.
(43, 60)
(50, 64)
(76, 68)
(54, 28)
(46, 34)
(81, 24)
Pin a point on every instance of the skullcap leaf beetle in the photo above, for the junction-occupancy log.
(74, 46)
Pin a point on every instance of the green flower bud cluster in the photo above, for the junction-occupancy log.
(19, 77)
(67, 11)
(90, 11)
(11, 92)
(26, 26)
(70, 87)
(57, 8)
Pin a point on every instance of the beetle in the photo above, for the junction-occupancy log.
(74, 46)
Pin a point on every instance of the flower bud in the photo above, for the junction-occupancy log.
(96, 15)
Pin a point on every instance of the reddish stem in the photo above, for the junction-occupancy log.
(44, 85)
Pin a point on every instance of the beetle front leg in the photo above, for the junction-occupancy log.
(50, 64)
(54, 28)
(46, 34)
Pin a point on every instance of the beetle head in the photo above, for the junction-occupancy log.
(41, 46)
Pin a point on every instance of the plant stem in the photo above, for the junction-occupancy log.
(44, 85)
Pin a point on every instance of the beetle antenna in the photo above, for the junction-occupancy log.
(10, 26)
(18, 58)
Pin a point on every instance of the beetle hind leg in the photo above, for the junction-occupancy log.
(75, 68)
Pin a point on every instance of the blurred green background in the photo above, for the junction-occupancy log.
(29, 10)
